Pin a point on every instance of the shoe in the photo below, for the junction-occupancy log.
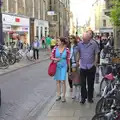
(82, 101)
(63, 100)
(73, 97)
(91, 101)
(58, 98)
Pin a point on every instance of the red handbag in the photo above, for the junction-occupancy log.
(52, 69)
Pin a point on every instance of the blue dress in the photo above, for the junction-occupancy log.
(61, 69)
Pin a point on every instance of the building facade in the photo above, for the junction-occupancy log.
(99, 21)
(116, 32)
(59, 21)
(27, 18)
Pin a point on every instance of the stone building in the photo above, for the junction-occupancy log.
(27, 18)
(59, 22)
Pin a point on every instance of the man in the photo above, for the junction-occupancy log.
(87, 55)
(36, 47)
(53, 42)
(48, 42)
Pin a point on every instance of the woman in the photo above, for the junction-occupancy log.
(53, 43)
(72, 68)
(43, 42)
(60, 54)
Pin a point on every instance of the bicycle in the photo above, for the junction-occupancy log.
(4, 63)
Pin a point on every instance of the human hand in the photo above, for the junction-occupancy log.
(57, 59)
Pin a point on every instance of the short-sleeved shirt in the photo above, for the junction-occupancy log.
(87, 54)
(53, 42)
(48, 40)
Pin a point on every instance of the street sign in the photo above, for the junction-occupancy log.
(51, 13)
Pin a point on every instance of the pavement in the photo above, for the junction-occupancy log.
(25, 63)
(71, 110)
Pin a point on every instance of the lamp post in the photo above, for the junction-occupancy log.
(1, 27)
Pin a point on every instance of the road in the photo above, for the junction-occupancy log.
(24, 90)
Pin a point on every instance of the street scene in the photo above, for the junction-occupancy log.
(59, 60)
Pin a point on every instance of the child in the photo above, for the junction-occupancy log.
(75, 76)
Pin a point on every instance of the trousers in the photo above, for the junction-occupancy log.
(87, 76)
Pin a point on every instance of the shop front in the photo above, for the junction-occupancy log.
(41, 28)
(14, 26)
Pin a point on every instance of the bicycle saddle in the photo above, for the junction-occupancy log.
(109, 76)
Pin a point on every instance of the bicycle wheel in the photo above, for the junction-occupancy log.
(100, 116)
(103, 84)
(104, 104)
(18, 56)
(29, 56)
(4, 63)
(11, 58)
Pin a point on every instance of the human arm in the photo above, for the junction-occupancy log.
(97, 51)
(52, 57)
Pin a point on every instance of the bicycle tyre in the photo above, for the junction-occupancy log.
(4, 61)
(29, 57)
(105, 104)
(100, 116)
(12, 59)
(102, 83)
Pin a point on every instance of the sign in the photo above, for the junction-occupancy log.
(51, 13)
(14, 20)
(6, 27)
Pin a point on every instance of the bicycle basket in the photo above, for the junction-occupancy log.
(116, 60)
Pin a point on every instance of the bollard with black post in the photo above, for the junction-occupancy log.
(1, 26)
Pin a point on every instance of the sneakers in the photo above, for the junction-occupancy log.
(63, 100)
(58, 98)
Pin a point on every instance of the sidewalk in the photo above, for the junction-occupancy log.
(24, 63)
(72, 109)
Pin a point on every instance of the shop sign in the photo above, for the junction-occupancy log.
(6, 27)
(14, 20)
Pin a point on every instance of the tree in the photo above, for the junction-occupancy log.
(115, 12)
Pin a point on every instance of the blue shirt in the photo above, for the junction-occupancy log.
(87, 54)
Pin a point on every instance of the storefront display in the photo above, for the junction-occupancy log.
(14, 26)
(41, 28)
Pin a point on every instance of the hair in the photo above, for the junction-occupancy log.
(91, 32)
(63, 40)
(75, 39)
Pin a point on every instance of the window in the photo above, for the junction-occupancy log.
(45, 31)
(41, 32)
(37, 31)
(50, 7)
(104, 23)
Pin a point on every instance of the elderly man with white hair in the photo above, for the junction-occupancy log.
(87, 55)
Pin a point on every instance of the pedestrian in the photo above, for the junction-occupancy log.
(48, 42)
(43, 42)
(36, 47)
(61, 55)
(73, 78)
(88, 56)
(53, 42)
(19, 43)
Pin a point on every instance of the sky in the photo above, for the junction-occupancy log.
(81, 10)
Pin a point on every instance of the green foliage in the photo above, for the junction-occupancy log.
(115, 12)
